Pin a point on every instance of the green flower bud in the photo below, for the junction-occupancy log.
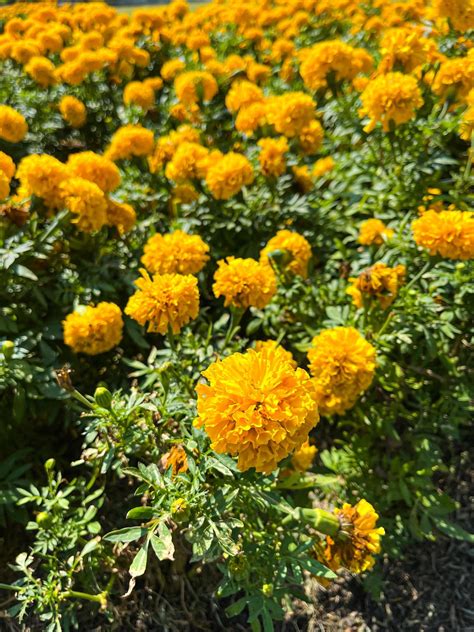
(49, 464)
(103, 397)
(44, 519)
(280, 257)
(323, 521)
(267, 590)
(180, 510)
(7, 349)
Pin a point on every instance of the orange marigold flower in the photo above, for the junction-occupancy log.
(95, 168)
(87, 202)
(93, 330)
(226, 177)
(188, 162)
(139, 93)
(311, 137)
(120, 215)
(303, 178)
(175, 252)
(250, 117)
(291, 112)
(73, 111)
(130, 141)
(176, 459)
(295, 246)
(323, 166)
(42, 175)
(189, 87)
(171, 68)
(272, 155)
(449, 234)
(303, 458)
(4, 186)
(374, 231)
(164, 301)
(379, 282)
(243, 94)
(342, 363)
(257, 407)
(7, 165)
(13, 126)
(244, 283)
(459, 12)
(41, 70)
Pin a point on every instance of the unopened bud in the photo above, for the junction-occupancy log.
(49, 464)
(43, 519)
(267, 590)
(7, 349)
(180, 510)
(103, 397)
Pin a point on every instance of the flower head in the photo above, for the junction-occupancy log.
(176, 252)
(243, 94)
(42, 175)
(13, 126)
(73, 111)
(226, 177)
(164, 301)
(295, 245)
(87, 203)
(323, 166)
(374, 231)
(41, 70)
(379, 282)
(120, 215)
(189, 162)
(195, 85)
(93, 330)
(272, 155)
(257, 407)
(449, 234)
(129, 141)
(176, 459)
(244, 283)
(291, 112)
(303, 458)
(95, 168)
(7, 165)
(139, 93)
(342, 363)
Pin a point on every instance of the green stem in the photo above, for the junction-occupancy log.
(235, 318)
(385, 324)
(428, 265)
(82, 399)
(74, 594)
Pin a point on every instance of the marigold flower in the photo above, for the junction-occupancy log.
(311, 137)
(406, 46)
(86, 201)
(166, 146)
(95, 168)
(323, 166)
(374, 231)
(291, 112)
(449, 234)
(189, 87)
(73, 111)
(391, 98)
(175, 252)
(459, 12)
(342, 363)
(303, 178)
(41, 70)
(251, 117)
(4, 186)
(188, 162)
(244, 283)
(303, 458)
(13, 126)
(42, 175)
(7, 165)
(93, 330)
(295, 245)
(360, 539)
(380, 282)
(455, 77)
(164, 301)
(272, 155)
(185, 193)
(171, 68)
(257, 407)
(243, 94)
(120, 215)
(226, 177)
(176, 459)
(139, 93)
(130, 141)
(286, 356)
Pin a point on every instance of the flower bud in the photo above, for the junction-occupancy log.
(44, 519)
(103, 397)
(7, 349)
(267, 590)
(180, 510)
(49, 464)
(323, 521)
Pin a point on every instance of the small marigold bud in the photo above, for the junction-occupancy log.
(103, 397)
(267, 590)
(49, 464)
(180, 510)
(7, 349)
(44, 519)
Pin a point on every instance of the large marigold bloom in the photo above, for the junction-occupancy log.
(374, 231)
(406, 46)
(449, 234)
(175, 252)
(164, 301)
(295, 245)
(244, 283)
(379, 282)
(166, 146)
(73, 111)
(41, 70)
(188, 162)
(189, 87)
(290, 113)
(129, 141)
(139, 93)
(226, 177)
(391, 98)
(13, 126)
(459, 12)
(359, 539)
(95, 168)
(342, 363)
(94, 330)
(455, 77)
(243, 94)
(272, 155)
(87, 203)
(256, 407)
(42, 175)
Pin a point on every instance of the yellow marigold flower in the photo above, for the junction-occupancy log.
(449, 234)
(467, 124)
(342, 363)
(393, 97)
(7, 165)
(291, 112)
(139, 93)
(120, 215)
(257, 407)
(95, 168)
(303, 458)
(23, 51)
(4, 186)
(73, 111)
(242, 94)
(379, 282)
(374, 231)
(303, 178)
(226, 177)
(355, 551)
(13, 126)
(455, 77)
(194, 86)
(41, 70)
(295, 246)
(406, 46)
(251, 117)
(175, 252)
(155, 83)
(166, 146)
(188, 162)
(244, 283)
(323, 166)
(164, 301)
(311, 137)
(459, 12)
(93, 330)
(42, 175)
(129, 141)
(258, 73)
(176, 459)
(185, 193)
(171, 68)
(272, 155)
(87, 202)
(286, 356)
(335, 57)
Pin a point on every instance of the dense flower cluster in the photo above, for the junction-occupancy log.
(257, 407)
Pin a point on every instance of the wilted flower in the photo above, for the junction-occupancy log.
(379, 282)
